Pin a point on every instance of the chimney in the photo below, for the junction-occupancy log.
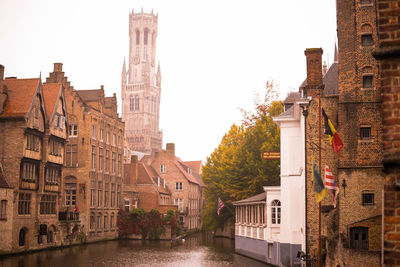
(314, 69)
(58, 67)
(1, 72)
(171, 148)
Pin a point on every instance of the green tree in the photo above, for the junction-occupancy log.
(236, 170)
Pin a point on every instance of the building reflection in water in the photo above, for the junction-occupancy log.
(196, 250)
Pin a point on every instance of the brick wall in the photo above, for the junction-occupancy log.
(388, 55)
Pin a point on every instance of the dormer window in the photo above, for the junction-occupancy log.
(162, 168)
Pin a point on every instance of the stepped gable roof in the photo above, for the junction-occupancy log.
(3, 181)
(51, 93)
(257, 198)
(330, 80)
(90, 95)
(20, 96)
(189, 177)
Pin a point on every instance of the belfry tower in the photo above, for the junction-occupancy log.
(141, 86)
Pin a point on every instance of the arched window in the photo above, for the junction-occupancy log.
(146, 35)
(366, 35)
(50, 234)
(105, 220)
(131, 103)
(137, 37)
(22, 236)
(136, 102)
(276, 211)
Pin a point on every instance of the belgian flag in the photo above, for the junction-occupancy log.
(334, 138)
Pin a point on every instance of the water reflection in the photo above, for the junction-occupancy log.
(197, 250)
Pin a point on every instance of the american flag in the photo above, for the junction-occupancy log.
(330, 183)
(220, 206)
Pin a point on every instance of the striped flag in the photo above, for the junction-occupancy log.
(330, 183)
(220, 206)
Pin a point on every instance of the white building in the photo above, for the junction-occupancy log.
(292, 235)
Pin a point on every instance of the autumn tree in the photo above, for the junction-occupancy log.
(236, 170)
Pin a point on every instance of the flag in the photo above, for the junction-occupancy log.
(320, 191)
(220, 206)
(334, 138)
(330, 183)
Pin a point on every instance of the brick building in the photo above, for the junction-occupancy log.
(182, 181)
(387, 52)
(93, 172)
(144, 188)
(351, 233)
(32, 136)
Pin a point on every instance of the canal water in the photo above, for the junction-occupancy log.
(197, 250)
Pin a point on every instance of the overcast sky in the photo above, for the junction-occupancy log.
(214, 55)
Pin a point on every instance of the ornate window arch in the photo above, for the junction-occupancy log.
(22, 237)
(276, 211)
(137, 36)
(131, 103)
(146, 36)
(366, 35)
(136, 102)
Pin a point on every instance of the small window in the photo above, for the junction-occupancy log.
(359, 238)
(368, 199)
(276, 211)
(162, 168)
(3, 210)
(73, 130)
(94, 131)
(365, 133)
(101, 134)
(366, 40)
(178, 186)
(365, 2)
(367, 81)
(127, 205)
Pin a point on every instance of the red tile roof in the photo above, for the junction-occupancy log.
(51, 92)
(194, 165)
(188, 176)
(20, 96)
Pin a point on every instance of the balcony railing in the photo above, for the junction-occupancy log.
(68, 216)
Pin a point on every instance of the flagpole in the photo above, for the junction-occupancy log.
(319, 155)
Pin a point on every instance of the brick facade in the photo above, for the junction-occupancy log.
(388, 55)
(183, 182)
(93, 171)
(32, 142)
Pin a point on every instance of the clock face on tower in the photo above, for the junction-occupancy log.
(136, 60)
